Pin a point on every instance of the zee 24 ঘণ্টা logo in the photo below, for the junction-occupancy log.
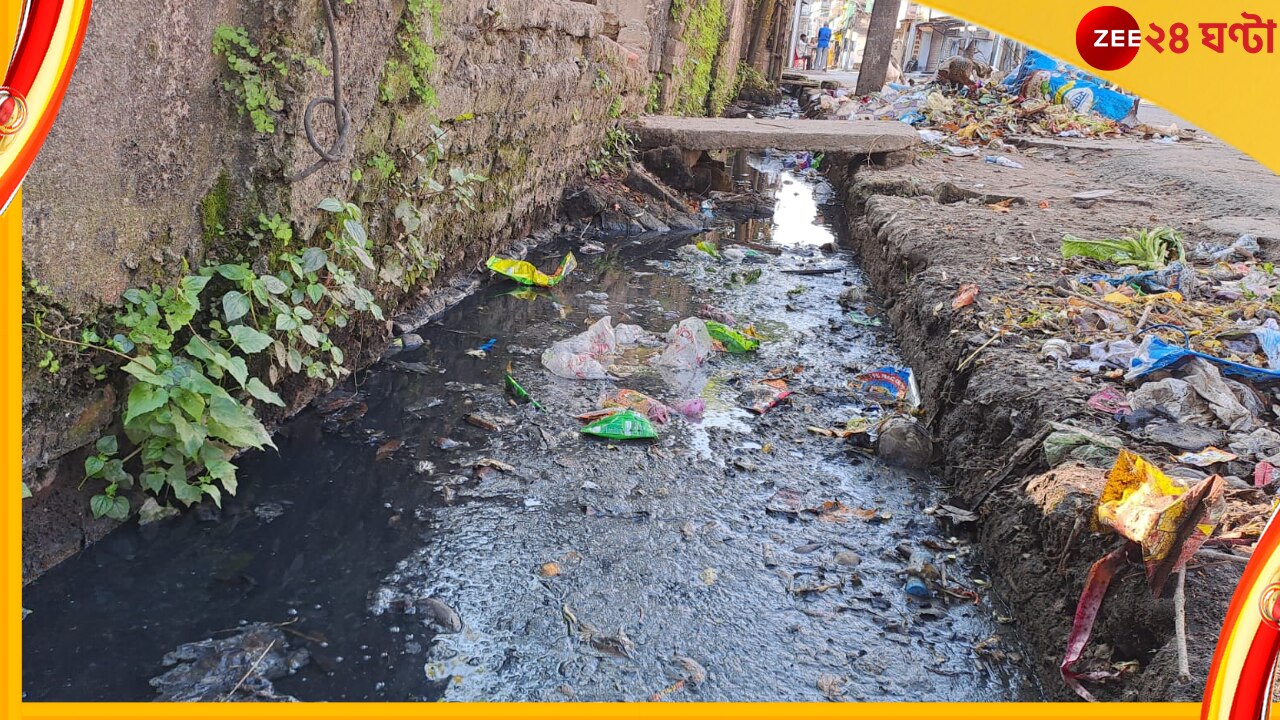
(1242, 675)
(1109, 37)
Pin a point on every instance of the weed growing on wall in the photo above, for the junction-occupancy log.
(255, 73)
(190, 345)
(409, 74)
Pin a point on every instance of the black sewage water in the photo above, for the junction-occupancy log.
(739, 557)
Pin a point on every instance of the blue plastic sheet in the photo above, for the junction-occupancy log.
(1156, 355)
(1042, 76)
(1177, 276)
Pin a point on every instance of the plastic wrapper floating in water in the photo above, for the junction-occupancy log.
(525, 273)
(625, 425)
(638, 401)
(733, 340)
(688, 345)
(579, 357)
(586, 356)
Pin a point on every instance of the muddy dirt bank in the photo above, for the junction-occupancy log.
(923, 230)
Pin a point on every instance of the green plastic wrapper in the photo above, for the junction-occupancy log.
(733, 341)
(521, 393)
(625, 425)
(524, 272)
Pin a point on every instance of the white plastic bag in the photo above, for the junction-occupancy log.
(580, 357)
(688, 345)
(566, 363)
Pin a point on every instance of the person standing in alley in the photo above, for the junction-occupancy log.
(801, 58)
(824, 42)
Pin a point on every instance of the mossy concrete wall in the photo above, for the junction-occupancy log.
(150, 164)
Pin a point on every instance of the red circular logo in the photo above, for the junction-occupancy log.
(1108, 37)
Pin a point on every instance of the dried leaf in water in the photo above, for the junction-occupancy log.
(834, 511)
(495, 464)
(387, 449)
(549, 569)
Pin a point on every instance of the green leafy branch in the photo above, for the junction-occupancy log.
(191, 406)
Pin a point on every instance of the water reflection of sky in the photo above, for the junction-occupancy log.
(796, 217)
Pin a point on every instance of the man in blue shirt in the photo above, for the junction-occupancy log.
(824, 41)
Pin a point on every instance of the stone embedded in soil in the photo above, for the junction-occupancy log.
(848, 558)
(903, 442)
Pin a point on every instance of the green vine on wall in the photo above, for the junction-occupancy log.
(189, 347)
(417, 180)
(700, 91)
(255, 74)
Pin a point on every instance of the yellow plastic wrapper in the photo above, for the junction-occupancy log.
(524, 272)
(1168, 520)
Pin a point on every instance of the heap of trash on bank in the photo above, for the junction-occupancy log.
(966, 106)
(1178, 349)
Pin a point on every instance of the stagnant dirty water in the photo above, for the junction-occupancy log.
(702, 566)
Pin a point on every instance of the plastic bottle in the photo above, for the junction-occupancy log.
(916, 585)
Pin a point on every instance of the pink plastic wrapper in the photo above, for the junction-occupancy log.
(691, 409)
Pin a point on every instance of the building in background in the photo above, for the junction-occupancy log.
(928, 36)
(924, 37)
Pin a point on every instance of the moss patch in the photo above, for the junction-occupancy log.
(215, 209)
(701, 93)
(408, 76)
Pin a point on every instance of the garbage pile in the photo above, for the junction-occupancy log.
(606, 352)
(954, 120)
(1185, 346)
(1180, 349)
(960, 110)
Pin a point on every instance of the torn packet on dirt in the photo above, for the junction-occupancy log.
(1165, 521)
(1095, 588)
(525, 273)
